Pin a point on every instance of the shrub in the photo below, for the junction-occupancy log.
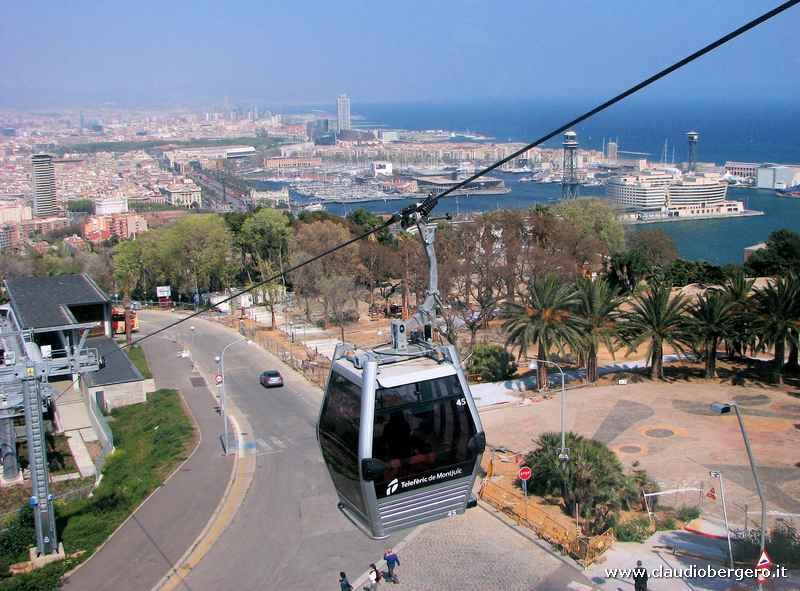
(666, 523)
(492, 363)
(687, 513)
(783, 545)
(593, 479)
(635, 530)
(16, 538)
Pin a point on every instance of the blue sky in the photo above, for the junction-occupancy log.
(55, 53)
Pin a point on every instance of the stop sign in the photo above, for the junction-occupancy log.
(524, 473)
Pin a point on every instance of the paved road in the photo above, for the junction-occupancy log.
(288, 534)
(150, 543)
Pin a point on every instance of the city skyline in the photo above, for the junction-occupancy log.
(104, 56)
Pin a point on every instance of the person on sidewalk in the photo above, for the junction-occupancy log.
(374, 578)
(344, 584)
(640, 577)
(392, 562)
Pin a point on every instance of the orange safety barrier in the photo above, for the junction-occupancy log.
(500, 492)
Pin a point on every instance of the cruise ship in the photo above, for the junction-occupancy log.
(655, 195)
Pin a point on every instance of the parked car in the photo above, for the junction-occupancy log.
(271, 379)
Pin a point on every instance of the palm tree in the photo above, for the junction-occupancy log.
(709, 321)
(657, 317)
(738, 291)
(545, 319)
(776, 320)
(598, 309)
(793, 363)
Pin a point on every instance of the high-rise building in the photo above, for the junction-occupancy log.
(343, 112)
(612, 151)
(44, 186)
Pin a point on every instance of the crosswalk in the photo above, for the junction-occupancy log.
(275, 445)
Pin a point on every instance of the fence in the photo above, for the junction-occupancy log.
(547, 521)
(314, 366)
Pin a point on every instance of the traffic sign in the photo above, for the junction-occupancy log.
(712, 494)
(218, 379)
(764, 561)
(524, 473)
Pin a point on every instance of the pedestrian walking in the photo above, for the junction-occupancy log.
(640, 577)
(374, 578)
(344, 584)
(392, 562)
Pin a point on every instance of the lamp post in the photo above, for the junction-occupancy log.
(717, 474)
(221, 361)
(724, 408)
(563, 453)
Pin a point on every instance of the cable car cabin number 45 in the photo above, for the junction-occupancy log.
(399, 430)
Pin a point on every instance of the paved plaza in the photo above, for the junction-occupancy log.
(668, 430)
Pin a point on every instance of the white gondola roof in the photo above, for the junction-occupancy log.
(396, 374)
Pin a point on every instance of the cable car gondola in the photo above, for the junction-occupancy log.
(399, 430)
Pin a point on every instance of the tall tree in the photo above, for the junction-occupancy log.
(709, 321)
(657, 317)
(776, 319)
(597, 307)
(546, 320)
(738, 290)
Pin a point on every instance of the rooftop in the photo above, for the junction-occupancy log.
(44, 302)
(115, 367)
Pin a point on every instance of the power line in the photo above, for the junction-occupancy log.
(425, 207)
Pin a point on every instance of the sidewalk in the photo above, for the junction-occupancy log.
(158, 534)
(479, 551)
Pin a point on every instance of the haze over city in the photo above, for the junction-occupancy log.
(86, 53)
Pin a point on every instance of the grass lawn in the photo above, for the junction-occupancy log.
(136, 355)
(151, 439)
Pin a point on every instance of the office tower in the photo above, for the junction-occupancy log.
(343, 112)
(44, 186)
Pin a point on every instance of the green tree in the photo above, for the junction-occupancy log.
(128, 266)
(265, 235)
(780, 257)
(657, 317)
(776, 320)
(363, 221)
(196, 252)
(596, 218)
(709, 321)
(592, 483)
(597, 307)
(491, 362)
(545, 319)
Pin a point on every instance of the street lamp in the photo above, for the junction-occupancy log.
(717, 474)
(220, 359)
(563, 453)
(724, 408)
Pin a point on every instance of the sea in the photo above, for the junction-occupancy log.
(749, 131)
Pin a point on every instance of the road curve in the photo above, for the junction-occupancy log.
(288, 533)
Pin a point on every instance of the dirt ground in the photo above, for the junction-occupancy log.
(669, 430)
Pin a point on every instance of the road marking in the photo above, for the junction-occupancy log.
(277, 446)
(579, 586)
